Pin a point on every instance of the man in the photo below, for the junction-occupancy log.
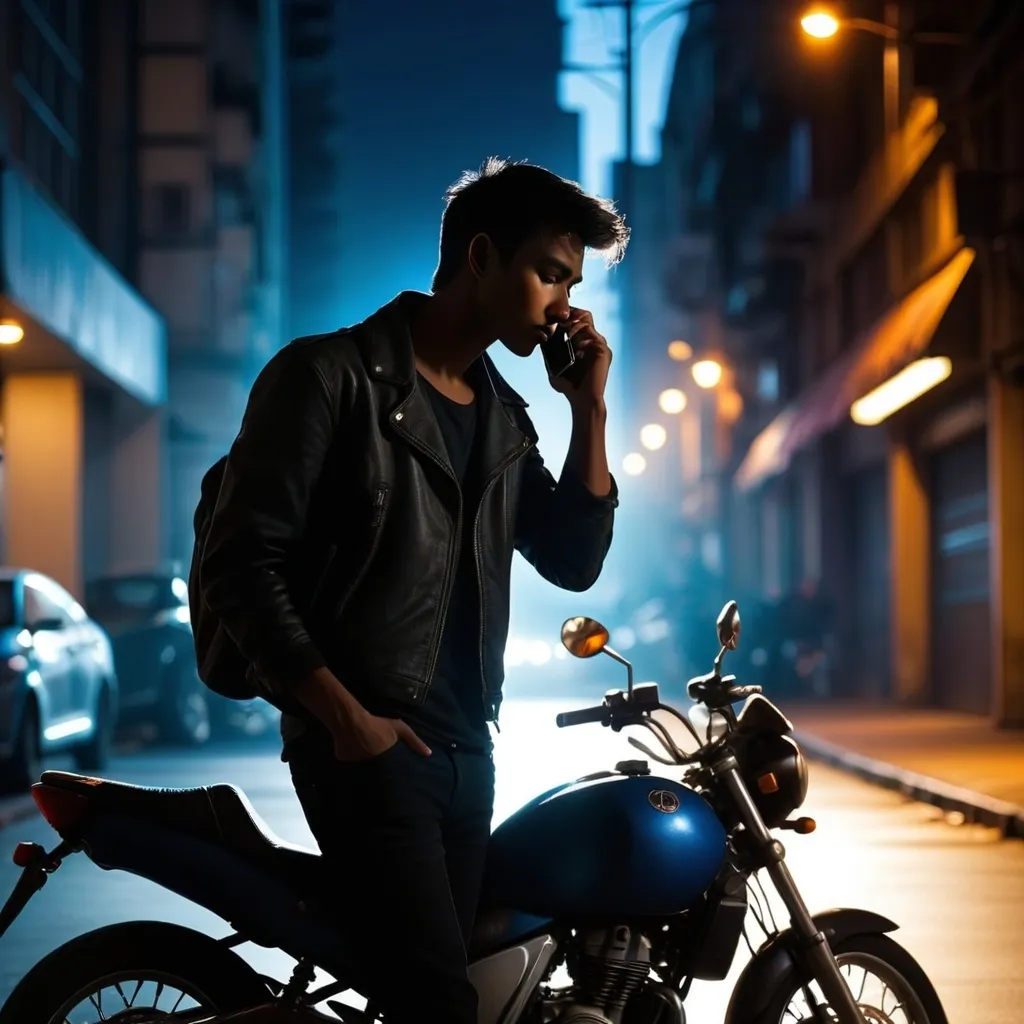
(361, 550)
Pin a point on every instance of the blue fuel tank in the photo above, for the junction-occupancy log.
(612, 846)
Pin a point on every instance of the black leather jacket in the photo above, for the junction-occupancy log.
(336, 534)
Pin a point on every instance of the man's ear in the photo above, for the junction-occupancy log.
(481, 253)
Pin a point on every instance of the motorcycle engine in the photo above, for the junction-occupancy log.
(607, 968)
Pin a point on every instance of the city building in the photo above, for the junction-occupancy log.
(82, 360)
(211, 252)
(709, 314)
(893, 476)
(458, 83)
(313, 58)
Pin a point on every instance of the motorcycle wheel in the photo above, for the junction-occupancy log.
(130, 971)
(888, 983)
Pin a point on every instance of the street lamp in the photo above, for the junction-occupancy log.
(679, 351)
(820, 24)
(672, 401)
(653, 436)
(11, 332)
(707, 373)
(634, 464)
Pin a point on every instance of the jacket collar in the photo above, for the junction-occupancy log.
(391, 357)
(391, 360)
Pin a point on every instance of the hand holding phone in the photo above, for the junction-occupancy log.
(560, 358)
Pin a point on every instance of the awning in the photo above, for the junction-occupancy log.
(50, 271)
(893, 342)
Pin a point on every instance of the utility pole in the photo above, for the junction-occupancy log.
(625, 67)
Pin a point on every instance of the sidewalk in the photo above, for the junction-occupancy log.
(956, 761)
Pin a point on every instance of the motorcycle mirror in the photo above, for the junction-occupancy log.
(583, 637)
(729, 626)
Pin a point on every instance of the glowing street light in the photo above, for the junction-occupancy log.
(653, 436)
(672, 401)
(820, 24)
(909, 384)
(679, 351)
(707, 373)
(634, 464)
(11, 332)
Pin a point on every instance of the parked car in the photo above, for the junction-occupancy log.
(147, 618)
(58, 684)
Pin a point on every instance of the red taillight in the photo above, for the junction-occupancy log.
(61, 809)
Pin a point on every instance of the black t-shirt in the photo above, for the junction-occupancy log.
(453, 712)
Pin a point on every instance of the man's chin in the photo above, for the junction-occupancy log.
(522, 347)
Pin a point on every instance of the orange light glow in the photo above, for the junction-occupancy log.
(899, 391)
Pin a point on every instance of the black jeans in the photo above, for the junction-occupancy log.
(406, 837)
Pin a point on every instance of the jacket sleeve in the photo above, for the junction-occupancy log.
(269, 478)
(562, 529)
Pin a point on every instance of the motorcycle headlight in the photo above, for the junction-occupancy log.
(775, 771)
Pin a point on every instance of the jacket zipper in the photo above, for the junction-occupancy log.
(380, 500)
(449, 575)
(503, 468)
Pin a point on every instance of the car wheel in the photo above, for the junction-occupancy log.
(25, 766)
(94, 755)
(185, 716)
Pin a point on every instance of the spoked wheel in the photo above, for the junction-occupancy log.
(887, 983)
(130, 999)
(134, 973)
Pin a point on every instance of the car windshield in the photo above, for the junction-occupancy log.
(131, 598)
(7, 616)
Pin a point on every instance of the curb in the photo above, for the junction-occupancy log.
(976, 808)
(15, 810)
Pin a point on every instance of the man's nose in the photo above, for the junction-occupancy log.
(559, 312)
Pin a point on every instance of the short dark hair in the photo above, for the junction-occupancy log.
(511, 201)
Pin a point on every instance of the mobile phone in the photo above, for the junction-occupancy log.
(560, 357)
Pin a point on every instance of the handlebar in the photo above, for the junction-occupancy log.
(602, 713)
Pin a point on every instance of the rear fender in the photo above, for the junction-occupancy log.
(255, 903)
(778, 959)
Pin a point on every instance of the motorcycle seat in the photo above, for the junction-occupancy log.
(220, 814)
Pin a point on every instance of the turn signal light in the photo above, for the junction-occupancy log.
(801, 826)
(27, 853)
(768, 783)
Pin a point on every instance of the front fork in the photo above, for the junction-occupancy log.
(816, 949)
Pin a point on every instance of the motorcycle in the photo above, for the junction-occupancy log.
(633, 884)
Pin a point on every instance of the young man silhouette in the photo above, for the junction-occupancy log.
(361, 550)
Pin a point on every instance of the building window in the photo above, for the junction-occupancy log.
(48, 81)
(172, 209)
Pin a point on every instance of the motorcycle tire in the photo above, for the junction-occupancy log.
(880, 948)
(134, 951)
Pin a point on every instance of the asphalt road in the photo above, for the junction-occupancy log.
(957, 891)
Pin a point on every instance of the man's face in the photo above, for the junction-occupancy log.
(524, 299)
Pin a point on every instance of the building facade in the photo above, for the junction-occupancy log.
(211, 252)
(313, 56)
(82, 367)
(885, 467)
